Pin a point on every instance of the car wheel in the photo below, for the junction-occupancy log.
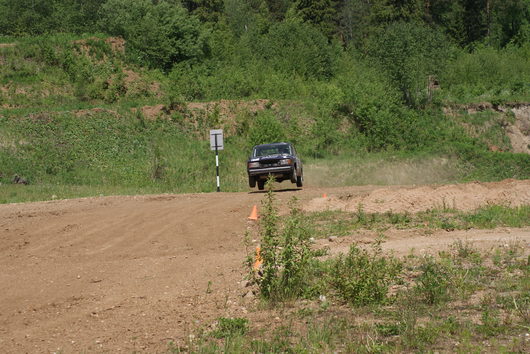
(251, 182)
(300, 180)
(293, 176)
(261, 185)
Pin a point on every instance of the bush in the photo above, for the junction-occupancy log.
(158, 34)
(229, 327)
(487, 74)
(363, 277)
(375, 109)
(293, 47)
(409, 53)
(433, 283)
(266, 129)
(286, 252)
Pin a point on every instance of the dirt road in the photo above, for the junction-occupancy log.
(133, 273)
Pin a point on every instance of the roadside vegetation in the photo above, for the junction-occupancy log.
(340, 223)
(462, 299)
(94, 100)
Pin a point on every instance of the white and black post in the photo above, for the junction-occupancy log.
(217, 164)
(216, 143)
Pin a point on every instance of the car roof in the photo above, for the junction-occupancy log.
(272, 144)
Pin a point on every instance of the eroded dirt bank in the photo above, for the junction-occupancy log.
(134, 273)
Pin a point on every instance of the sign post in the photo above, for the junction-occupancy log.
(217, 143)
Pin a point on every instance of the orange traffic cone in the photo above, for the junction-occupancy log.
(259, 261)
(254, 213)
(324, 195)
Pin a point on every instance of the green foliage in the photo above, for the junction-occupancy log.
(230, 327)
(433, 283)
(101, 148)
(59, 69)
(374, 107)
(67, 149)
(488, 165)
(487, 74)
(293, 47)
(158, 34)
(285, 250)
(319, 13)
(498, 215)
(45, 16)
(409, 53)
(363, 277)
(266, 129)
(270, 238)
(339, 223)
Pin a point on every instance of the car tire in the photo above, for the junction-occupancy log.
(251, 182)
(261, 185)
(294, 176)
(300, 181)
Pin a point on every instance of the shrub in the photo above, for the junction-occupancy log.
(285, 251)
(487, 74)
(293, 47)
(229, 327)
(409, 52)
(266, 129)
(375, 108)
(362, 277)
(433, 282)
(158, 34)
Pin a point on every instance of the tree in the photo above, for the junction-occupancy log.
(449, 15)
(205, 10)
(508, 21)
(278, 8)
(409, 53)
(293, 47)
(158, 35)
(320, 13)
(353, 20)
(246, 15)
(388, 11)
(26, 17)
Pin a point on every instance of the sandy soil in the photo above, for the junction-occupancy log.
(468, 196)
(127, 274)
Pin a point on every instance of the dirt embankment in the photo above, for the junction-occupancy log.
(465, 197)
(515, 122)
(124, 274)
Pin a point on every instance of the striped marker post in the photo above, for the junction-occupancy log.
(216, 143)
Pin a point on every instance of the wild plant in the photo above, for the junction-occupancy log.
(285, 250)
(362, 277)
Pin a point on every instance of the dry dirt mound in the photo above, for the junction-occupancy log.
(468, 196)
(117, 44)
(222, 113)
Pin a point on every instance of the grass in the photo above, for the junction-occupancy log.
(459, 300)
(46, 80)
(341, 223)
(456, 301)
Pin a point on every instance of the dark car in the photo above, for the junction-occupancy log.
(279, 160)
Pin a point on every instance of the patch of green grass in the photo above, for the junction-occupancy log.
(362, 277)
(340, 223)
(230, 327)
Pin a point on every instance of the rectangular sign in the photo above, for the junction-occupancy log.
(219, 134)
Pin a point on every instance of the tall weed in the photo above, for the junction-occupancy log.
(362, 277)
